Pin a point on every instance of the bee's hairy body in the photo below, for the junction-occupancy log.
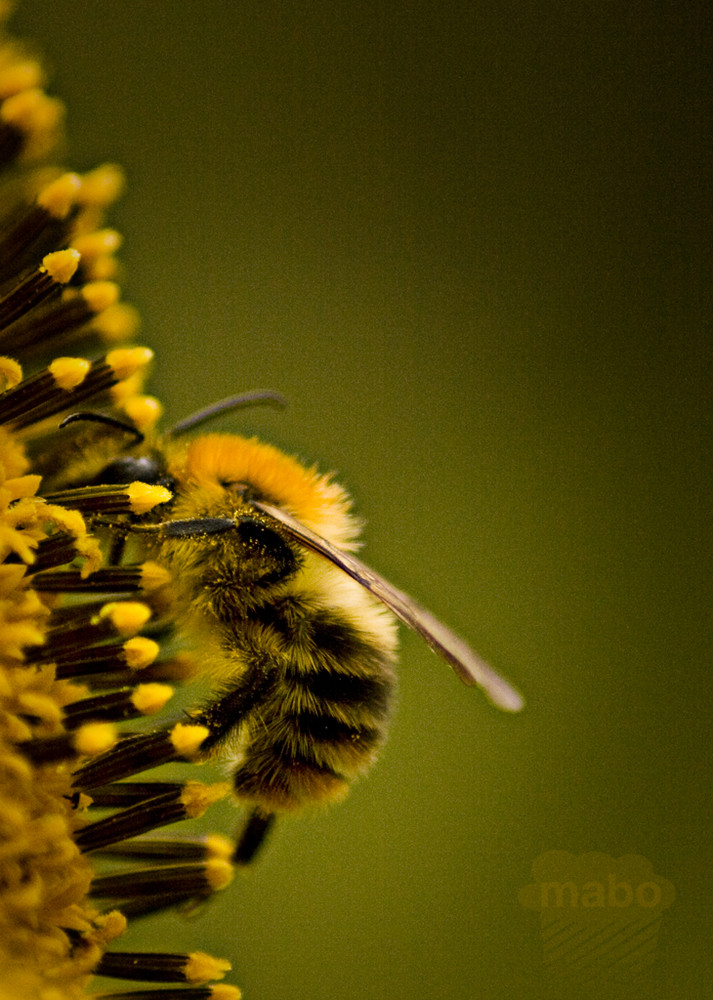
(300, 656)
(295, 635)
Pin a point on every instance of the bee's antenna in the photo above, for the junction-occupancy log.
(255, 398)
(103, 418)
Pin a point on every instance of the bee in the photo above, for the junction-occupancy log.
(296, 635)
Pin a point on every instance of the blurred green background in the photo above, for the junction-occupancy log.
(471, 244)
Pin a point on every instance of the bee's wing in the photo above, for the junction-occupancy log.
(468, 665)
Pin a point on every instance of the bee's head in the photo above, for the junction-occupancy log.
(149, 469)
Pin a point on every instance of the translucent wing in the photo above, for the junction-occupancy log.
(467, 664)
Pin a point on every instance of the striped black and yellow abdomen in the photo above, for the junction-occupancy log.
(325, 715)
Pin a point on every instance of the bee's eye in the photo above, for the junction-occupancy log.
(126, 469)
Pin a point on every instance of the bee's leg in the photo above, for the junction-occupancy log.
(252, 836)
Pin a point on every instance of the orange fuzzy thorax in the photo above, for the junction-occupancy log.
(214, 460)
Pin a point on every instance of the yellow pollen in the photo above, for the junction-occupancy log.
(222, 991)
(126, 616)
(95, 738)
(103, 185)
(219, 847)
(10, 373)
(61, 265)
(68, 373)
(99, 295)
(144, 411)
(219, 873)
(197, 797)
(150, 698)
(201, 968)
(187, 738)
(20, 76)
(117, 323)
(97, 243)
(154, 576)
(59, 196)
(144, 498)
(126, 361)
(139, 652)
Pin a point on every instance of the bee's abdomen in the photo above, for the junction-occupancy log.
(324, 720)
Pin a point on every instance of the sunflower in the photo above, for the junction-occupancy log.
(71, 617)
